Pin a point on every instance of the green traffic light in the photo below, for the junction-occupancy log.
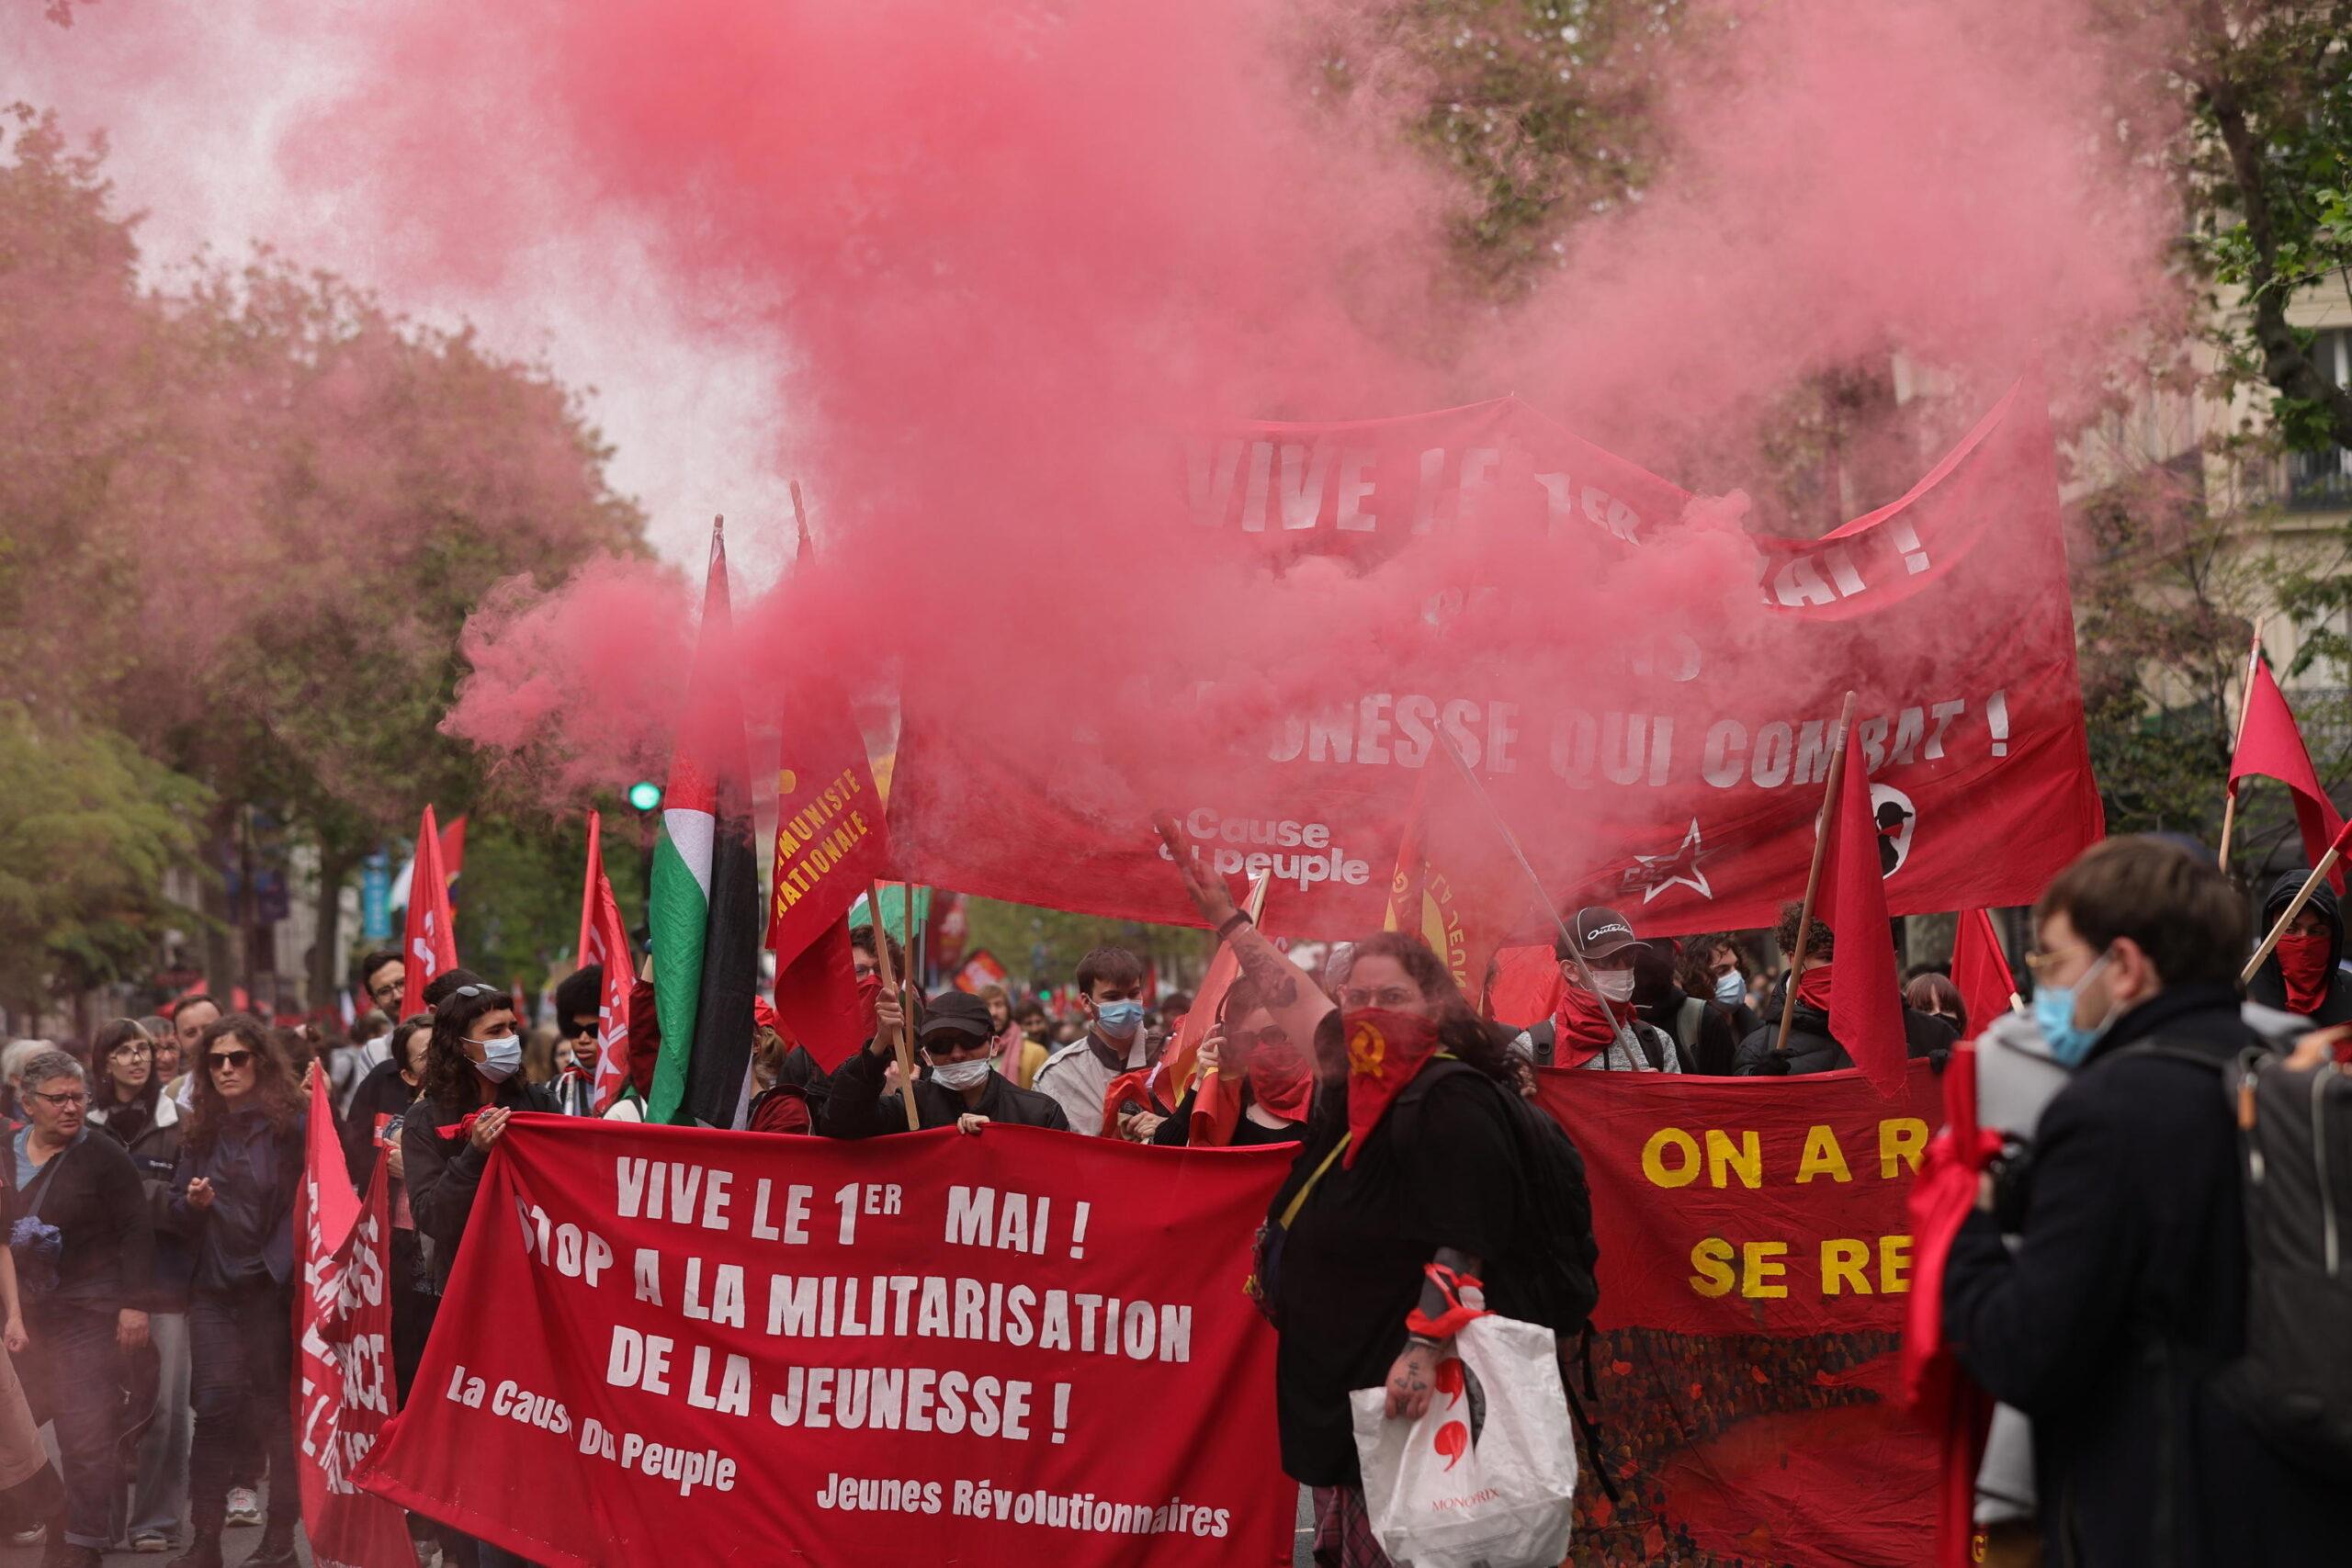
(645, 794)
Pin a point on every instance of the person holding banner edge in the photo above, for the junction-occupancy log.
(1376, 1206)
(963, 1090)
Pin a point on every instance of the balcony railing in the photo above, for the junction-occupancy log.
(2318, 481)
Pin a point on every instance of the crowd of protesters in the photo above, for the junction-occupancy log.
(145, 1295)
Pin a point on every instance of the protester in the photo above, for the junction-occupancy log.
(370, 1125)
(2304, 974)
(962, 1088)
(132, 1106)
(383, 978)
(578, 1018)
(1715, 966)
(12, 1070)
(1601, 1032)
(1934, 996)
(779, 1106)
(1268, 1080)
(411, 1279)
(1704, 1037)
(1370, 1204)
(1016, 1058)
(1110, 986)
(2111, 1323)
(167, 1047)
(85, 1254)
(540, 1066)
(190, 1019)
(644, 1048)
(1038, 1041)
(30, 1491)
(234, 1196)
(1811, 1047)
(471, 1087)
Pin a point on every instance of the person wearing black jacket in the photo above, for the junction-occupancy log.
(85, 1283)
(471, 1087)
(2124, 1297)
(963, 1088)
(2302, 975)
(1811, 1047)
(1704, 1035)
(232, 1200)
(1271, 1080)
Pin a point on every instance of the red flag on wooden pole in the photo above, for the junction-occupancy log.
(430, 943)
(2270, 746)
(1988, 987)
(603, 939)
(1865, 999)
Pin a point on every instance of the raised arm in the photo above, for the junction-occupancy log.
(1297, 1003)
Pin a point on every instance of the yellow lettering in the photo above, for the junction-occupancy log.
(1894, 1264)
(1757, 1266)
(1712, 1259)
(1747, 1160)
(1686, 1151)
(1822, 1157)
(1903, 1139)
(1842, 1263)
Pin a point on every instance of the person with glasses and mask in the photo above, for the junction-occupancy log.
(1252, 1085)
(961, 1087)
(132, 1107)
(232, 1202)
(84, 1255)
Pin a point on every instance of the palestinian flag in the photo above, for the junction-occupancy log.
(706, 904)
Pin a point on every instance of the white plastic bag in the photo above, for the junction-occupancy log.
(1488, 1477)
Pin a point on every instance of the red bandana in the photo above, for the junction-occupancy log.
(2302, 964)
(1584, 1025)
(1281, 1080)
(1813, 987)
(1384, 1051)
(869, 991)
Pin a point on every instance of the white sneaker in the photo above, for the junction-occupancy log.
(245, 1506)
(151, 1540)
(28, 1538)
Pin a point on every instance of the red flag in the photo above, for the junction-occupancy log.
(1866, 999)
(829, 846)
(1981, 970)
(343, 1334)
(816, 996)
(2270, 746)
(1527, 985)
(603, 939)
(431, 940)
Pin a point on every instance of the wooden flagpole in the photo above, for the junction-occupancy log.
(2229, 791)
(893, 981)
(1828, 825)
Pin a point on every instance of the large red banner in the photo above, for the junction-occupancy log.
(343, 1393)
(1755, 1272)
(1650, 695)
(711, 1348)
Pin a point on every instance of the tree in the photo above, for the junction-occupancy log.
(88, 828)
(1041, 947)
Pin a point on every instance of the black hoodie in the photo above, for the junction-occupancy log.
(2269, 987)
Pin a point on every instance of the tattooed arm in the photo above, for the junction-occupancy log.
(1297, 1002)
(1412, 1376)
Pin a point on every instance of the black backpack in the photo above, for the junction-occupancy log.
(2293, 1381)
(1545, 1036)
(1552, 1258)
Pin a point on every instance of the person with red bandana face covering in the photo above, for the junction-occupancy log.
(1811, 1047)
(1603, 1031)
(1396, 1179)
(1253, 1085)
(2301, 974)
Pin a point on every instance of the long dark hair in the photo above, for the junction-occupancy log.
(109, 1039)
(274, 1088)
(449, 1075)
(1483, 1045)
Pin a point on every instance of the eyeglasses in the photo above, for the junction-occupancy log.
(235, 1061)
(70, 1099)
(2039, 963)
(130, 1049)
(1389, 997)
(1272, 1034)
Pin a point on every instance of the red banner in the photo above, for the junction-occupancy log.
(345, 1392)
(1650, 696)
(1755, 1271)
(1016, 1346)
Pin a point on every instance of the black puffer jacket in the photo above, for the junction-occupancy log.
(2269, 987)
(443, 1168)
(2124, 1297)
(1812, 1050)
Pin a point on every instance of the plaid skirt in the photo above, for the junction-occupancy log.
(1343, 1537)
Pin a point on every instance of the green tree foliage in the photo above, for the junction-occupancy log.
(1017, 932)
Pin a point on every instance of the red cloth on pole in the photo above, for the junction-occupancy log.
(430, 943)
(1866, 1005)
(2270, 746)
(1981, 970)
(817, 997)
(603, 939)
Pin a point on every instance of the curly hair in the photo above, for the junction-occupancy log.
(1483, 1045)
(449, 1075)
(275, 1090)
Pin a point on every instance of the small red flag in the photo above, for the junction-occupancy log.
(603, 939)
(1865, 999)
(2270, 746)
(816, 996)
(1981, 971)
(430, 943)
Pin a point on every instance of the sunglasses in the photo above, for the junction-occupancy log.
(233, 1061)
(1272, 1034)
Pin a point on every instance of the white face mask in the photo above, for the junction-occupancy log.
(961, 1076)
(1616, 985)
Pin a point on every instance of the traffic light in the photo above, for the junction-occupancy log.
(645, 794)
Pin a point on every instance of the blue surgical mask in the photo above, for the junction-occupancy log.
(1119, 1021)
(2054, 1014)
(1731, 989)
(498, 1057)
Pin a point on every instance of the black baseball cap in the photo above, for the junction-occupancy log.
(1602, 931)
(956, 1012)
